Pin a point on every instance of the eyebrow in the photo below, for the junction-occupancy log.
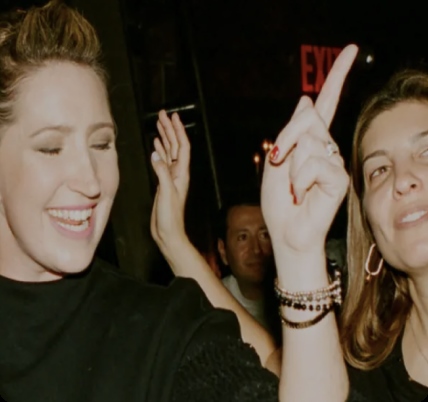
(247, 229)
(415, 138)
(63, 129)
(419, 136)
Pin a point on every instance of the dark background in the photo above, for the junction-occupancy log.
(248, 59)
(234, 70)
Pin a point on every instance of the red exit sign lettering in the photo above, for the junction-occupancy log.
(316, 62)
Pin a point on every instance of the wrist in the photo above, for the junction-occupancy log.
(174, 244)
(301, 271)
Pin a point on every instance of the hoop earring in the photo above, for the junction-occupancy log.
(371, 274)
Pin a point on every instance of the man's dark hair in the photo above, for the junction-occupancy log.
(249, 197)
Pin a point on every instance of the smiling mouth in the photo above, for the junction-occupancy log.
(74, 220)
(413, 217)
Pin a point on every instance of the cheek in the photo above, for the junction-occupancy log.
(23, 180)
(267, 248)
(238, 252)
(28, 196)
(108, 172)
(377, 213)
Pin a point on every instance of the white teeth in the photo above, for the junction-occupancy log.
(73, 215)
(75, 228)
(413, 217)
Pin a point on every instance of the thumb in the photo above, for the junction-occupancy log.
(153, 220)
(162, 172)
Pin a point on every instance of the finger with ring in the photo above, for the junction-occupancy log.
(331, 148)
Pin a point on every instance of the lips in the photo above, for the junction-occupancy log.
(411, 217)
(256, 263)
(75, 222)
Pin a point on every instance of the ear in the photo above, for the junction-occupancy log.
(222, 251)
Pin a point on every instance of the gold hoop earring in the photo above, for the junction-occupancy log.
(371, 274)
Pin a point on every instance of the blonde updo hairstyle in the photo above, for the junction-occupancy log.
(30, 39)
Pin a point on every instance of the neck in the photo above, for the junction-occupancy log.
(251, 291)
(418, 287)
(415, 340)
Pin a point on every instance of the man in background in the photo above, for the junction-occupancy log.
(245, 249)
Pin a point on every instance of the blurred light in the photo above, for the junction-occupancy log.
(369, 59)
(256, 158)
(265, 145)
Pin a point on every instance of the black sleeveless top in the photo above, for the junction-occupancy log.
(388, 383)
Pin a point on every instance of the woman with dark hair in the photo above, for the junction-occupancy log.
(383, 329)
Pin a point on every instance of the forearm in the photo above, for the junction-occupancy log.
(313, 367)
(186, 261)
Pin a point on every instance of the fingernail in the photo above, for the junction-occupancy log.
(274, 153)
(155, 156)
(293, 194)
(296, 199)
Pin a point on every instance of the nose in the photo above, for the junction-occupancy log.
(407, 181)
(83, 178)
(256, 246)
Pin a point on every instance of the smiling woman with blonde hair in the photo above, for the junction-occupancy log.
(72, 328)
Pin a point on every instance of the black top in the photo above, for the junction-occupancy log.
(102, 337)
(388, 383)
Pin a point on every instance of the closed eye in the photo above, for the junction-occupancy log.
(103, 146)
(50, 151)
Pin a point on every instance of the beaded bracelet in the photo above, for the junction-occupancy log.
(306, 300)
(309, 323)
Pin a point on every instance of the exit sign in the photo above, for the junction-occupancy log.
(315, 63)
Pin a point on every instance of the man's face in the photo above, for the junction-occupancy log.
(247, 249)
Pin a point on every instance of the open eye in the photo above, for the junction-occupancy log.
(264, 235)
(242, 237)
(378, 172)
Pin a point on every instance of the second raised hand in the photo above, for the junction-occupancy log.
(304, 180)
(170, 161)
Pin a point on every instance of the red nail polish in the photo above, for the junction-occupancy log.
(274, 153)
(293, 194)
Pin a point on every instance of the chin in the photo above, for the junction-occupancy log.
(71, 264)
(413, 258)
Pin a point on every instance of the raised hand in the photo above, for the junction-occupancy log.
(304, 179)
(170, 162)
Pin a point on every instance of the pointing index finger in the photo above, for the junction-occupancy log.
(328, 98)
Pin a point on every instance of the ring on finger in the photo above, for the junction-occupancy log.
(331, 148)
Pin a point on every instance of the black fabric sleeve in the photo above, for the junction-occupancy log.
(228, 371)
(355, 396)
(217, 366)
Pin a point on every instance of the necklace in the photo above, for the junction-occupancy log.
(416, 340)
